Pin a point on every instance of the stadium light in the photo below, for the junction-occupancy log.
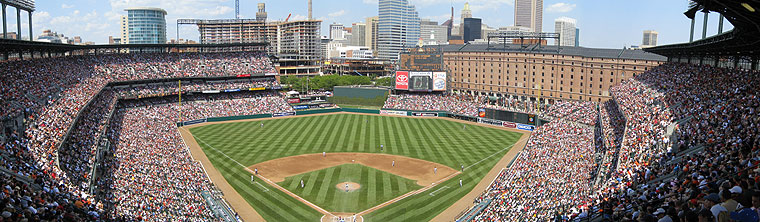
(748, 7)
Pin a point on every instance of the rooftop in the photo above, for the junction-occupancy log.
(563, 50)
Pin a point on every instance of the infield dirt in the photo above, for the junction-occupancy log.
(414, 169)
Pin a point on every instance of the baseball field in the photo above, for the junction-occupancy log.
(312, 167)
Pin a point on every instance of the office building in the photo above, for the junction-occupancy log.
(650, 39)
(124, 29)
(358, 34)
(370, 37)
(471, 29)
(398, 27)
(216, 31)
(145, 25)
(529, 13)
(566, 28)
(577, 37)
(337, 31)
(432, 33)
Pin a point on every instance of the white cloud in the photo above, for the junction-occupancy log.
(297, 17)
(371, 2)
(560, 7)
(65, 6)
(337, 14)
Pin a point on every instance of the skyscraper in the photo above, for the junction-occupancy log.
(566, 28)
(650, 39)
(466, 13)
(432, 33)
(146, 25)
(577, 37)
(398, 27)
(471, 29)
(529, 13)
(370, 35)
(358, 34)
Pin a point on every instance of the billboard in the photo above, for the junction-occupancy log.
(481, 112)
(402, 80)
(283, 114)
(294, 100)
(439, 81)
(424, 114)
(393, 112)
(420, 81)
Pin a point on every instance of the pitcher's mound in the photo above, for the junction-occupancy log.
(350, 186)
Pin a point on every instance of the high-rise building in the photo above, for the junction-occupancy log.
(358, 34)
(650, 39)
(577, 37)
(432, 33)
(124, 30)
(146, 25)
(566, 28)
(336, 31)
(529, 13)
(466, 13)
(398, 27)
(471, 29)
(370, 35)
(261, 15)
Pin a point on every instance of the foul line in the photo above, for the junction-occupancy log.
(262, 186)
(271, 183)
(439, 189)
(497, 152)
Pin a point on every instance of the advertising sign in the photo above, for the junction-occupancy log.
(402, 80)
(439, 81)
(509, 125)
(244, 75)
(283, 114)
(489, 121)
(525, 127)
(232, 90)
(425, 114)
(210, 91)
(393, 112)
(276, 87)
(257, 89)
(301, 107)
(294, 100)
(481, 112)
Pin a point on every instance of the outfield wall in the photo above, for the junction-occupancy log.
(396, 112)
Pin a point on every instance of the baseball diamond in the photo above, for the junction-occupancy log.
(419, 155)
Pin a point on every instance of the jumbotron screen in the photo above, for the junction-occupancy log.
(421, 81)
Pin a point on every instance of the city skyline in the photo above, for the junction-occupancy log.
(605, 24)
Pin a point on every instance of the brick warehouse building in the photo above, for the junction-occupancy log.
(575, 73)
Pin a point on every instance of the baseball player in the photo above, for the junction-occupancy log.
(324, 154)
(346, 187)
(462, 168)
(251, 178)
(460, 181)
(381, 147)
(256, 171)
(262, 125)
(393, 163)
(435, 170)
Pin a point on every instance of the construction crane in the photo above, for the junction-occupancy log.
(286, 19)
(237, 9)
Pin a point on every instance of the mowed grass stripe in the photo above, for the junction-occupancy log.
(441, 141)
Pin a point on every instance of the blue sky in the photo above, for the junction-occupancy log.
(602, 23)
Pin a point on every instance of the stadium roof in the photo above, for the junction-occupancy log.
(743, 40)
(563, 50)
(13, 46)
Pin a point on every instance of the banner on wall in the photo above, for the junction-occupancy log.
(525, 127)
(425, 114)
(481, 112)
(294, 100)
(393, 112)
(439, 81)
(283, 114)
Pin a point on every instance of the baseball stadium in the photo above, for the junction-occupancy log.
(240, 131)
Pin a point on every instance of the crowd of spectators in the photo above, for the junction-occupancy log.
(50, 93)
(577, 111)
(651, 178)
(552, 174)
(461, 104)
(514, 105)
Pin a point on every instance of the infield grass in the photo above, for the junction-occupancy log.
(437, 140)
(377, 186)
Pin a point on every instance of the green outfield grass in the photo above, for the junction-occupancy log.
(436, 140)
(377, 186)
